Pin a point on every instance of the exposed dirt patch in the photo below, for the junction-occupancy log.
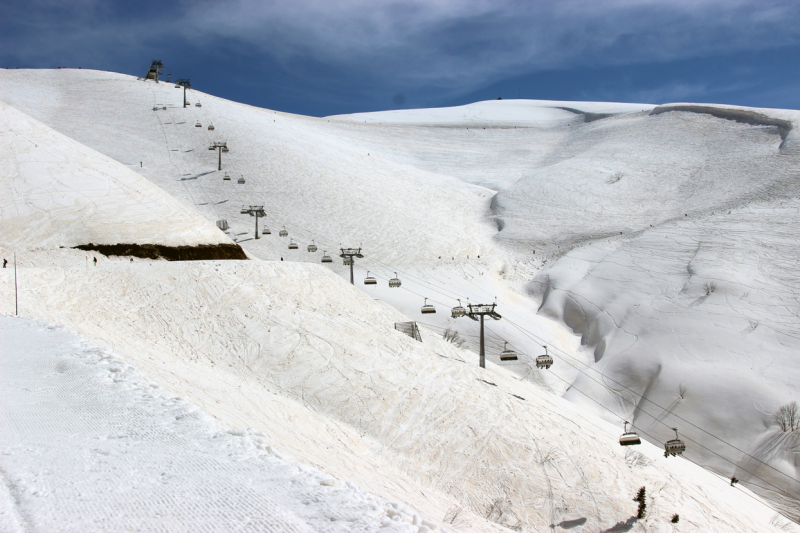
(170, 253)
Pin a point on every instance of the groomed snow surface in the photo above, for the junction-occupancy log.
(652, 252)
(89, 444)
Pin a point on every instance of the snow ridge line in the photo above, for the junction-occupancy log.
(738, 115)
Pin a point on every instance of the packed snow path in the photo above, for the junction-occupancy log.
(88, 444)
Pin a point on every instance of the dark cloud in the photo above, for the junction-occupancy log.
(320, 57)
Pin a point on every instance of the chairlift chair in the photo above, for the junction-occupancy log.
(629, 438)
(198, 104)
(369, 280)
(198, 125)
(395, 281)
(283, 232)
(675, 446)
(292, 245)
(458, 311)
(240, 181)
(544, 361)
(326, 258)
(226, 177)
(347, 261)
(312, 247)
(210, 127)
(507, 354)
(212, 147)
(427, 308)
(245, 210)
(266, 231)
(224, 149)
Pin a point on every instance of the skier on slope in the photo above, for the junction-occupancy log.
(5, 262)
(95, 261)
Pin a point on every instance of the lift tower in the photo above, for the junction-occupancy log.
(155, 70)
(476, 312)
(256, 211)
(186, 84)
(348, 254)
(222, 147)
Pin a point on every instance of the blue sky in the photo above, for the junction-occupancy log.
(319, 58)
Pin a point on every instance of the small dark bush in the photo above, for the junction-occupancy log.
(641, 497)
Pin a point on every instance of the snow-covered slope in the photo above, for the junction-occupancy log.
(298, 354)
(59, 193)
(90, 445)
(306, 177)
(614, 225)
(498, 114)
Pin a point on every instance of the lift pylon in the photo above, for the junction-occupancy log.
(350, 253)
(476, 312)
(222, 147)
(186, 84)
(255, 211)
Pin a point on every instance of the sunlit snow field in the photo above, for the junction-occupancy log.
(652, 252)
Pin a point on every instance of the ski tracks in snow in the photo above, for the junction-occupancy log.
(88, 444)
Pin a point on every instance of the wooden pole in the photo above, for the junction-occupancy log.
(16, 298)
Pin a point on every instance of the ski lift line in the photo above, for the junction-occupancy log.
(535, 337)
(208, 197)
(409, 290)
(666, 411)
(538, 339)
(653, 439)
(414, 277)
(405, 274)
(169, 153)
(636, 394)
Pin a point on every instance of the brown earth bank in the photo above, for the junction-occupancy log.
(170, 253)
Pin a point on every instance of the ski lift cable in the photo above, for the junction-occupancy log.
(198, 182)
(663, 409)
(186, 185)
(392, 269)
(538, 339)
(169, 152)
(534, 337)
(684, 436)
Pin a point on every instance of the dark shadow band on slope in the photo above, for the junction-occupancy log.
(587, 117)
(739, 115)
(201, 252)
